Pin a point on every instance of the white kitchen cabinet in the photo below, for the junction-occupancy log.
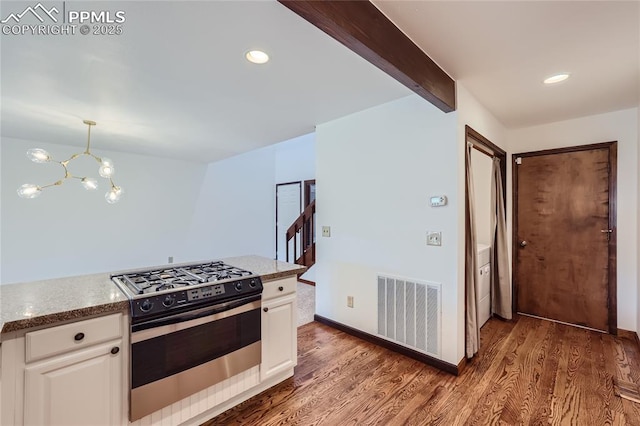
(83, 387)
(279, 328)
(73, 374)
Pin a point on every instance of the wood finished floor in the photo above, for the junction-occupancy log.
(528, 372)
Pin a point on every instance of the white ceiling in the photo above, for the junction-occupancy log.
(502, 50)
(176, 83)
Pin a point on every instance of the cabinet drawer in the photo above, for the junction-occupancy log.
(56, 340)
(278, 288)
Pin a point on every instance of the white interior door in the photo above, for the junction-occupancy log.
(288, 208)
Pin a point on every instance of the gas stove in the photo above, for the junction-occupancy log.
(158, 292)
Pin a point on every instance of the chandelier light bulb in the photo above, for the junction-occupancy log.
(89, 184)
(38, 155)
(106, 170)
(29, 190)
(106, 161)
(113, 195)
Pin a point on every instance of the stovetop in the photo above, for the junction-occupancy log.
(151, 281)
(161, 291)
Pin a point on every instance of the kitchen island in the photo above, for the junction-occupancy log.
(73, 334)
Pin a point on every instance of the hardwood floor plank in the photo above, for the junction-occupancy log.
(528, 372)
(625, 356)
(504, 376)
(543, 399)
(519, 405)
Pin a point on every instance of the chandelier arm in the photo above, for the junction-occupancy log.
(56, 183)
(68, 160)
(88, 137)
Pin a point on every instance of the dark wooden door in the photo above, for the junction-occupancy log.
(563, 235)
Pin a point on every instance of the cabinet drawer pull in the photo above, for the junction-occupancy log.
(266, 309)
(281, 288)
(78, 337)
(115, 350)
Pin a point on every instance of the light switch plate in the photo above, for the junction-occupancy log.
(434, 238)
(438, 201)
(326, 231)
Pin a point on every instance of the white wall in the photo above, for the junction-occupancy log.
(375, 172)
(69, 231)
(482, 166)
(296, 159)
(235, 210)
(621, 126)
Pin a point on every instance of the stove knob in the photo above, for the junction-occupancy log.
(252, 283)
(239, 286)
(168, 301)
(146, 305)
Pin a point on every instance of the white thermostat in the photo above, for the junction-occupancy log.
(438, 201)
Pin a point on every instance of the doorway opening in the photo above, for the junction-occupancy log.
(288, 208)
(487, 280)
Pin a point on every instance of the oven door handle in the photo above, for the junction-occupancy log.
(181, 321)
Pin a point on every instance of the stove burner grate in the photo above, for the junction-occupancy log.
(171, 278)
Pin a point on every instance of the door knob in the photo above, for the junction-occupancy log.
(523, 243)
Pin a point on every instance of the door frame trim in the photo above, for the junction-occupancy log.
(612, 147)
(297, 182)
(307, 191)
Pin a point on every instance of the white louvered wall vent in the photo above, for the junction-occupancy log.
(409, 313)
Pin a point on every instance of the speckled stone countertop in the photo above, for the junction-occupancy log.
(39, 303)
(268, 269)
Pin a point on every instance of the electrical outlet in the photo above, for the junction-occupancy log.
(434, 238)
(170, 260)
(326, 231)
(349, 301)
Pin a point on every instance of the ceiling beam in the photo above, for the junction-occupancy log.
(361, 27)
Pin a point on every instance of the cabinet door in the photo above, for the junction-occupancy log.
(79, 388)
(279, 336)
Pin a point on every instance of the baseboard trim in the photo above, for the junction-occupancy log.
(303, 281)
(631, 335)
(418, 356)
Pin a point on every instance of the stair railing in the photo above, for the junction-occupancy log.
(302, 232)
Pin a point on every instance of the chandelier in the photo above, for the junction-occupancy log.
(106, 170)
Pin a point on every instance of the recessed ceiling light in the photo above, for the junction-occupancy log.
(556, 78)
(257, 56)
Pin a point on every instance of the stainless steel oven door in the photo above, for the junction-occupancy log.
(176, 356)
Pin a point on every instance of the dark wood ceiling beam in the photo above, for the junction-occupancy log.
(361, 27)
